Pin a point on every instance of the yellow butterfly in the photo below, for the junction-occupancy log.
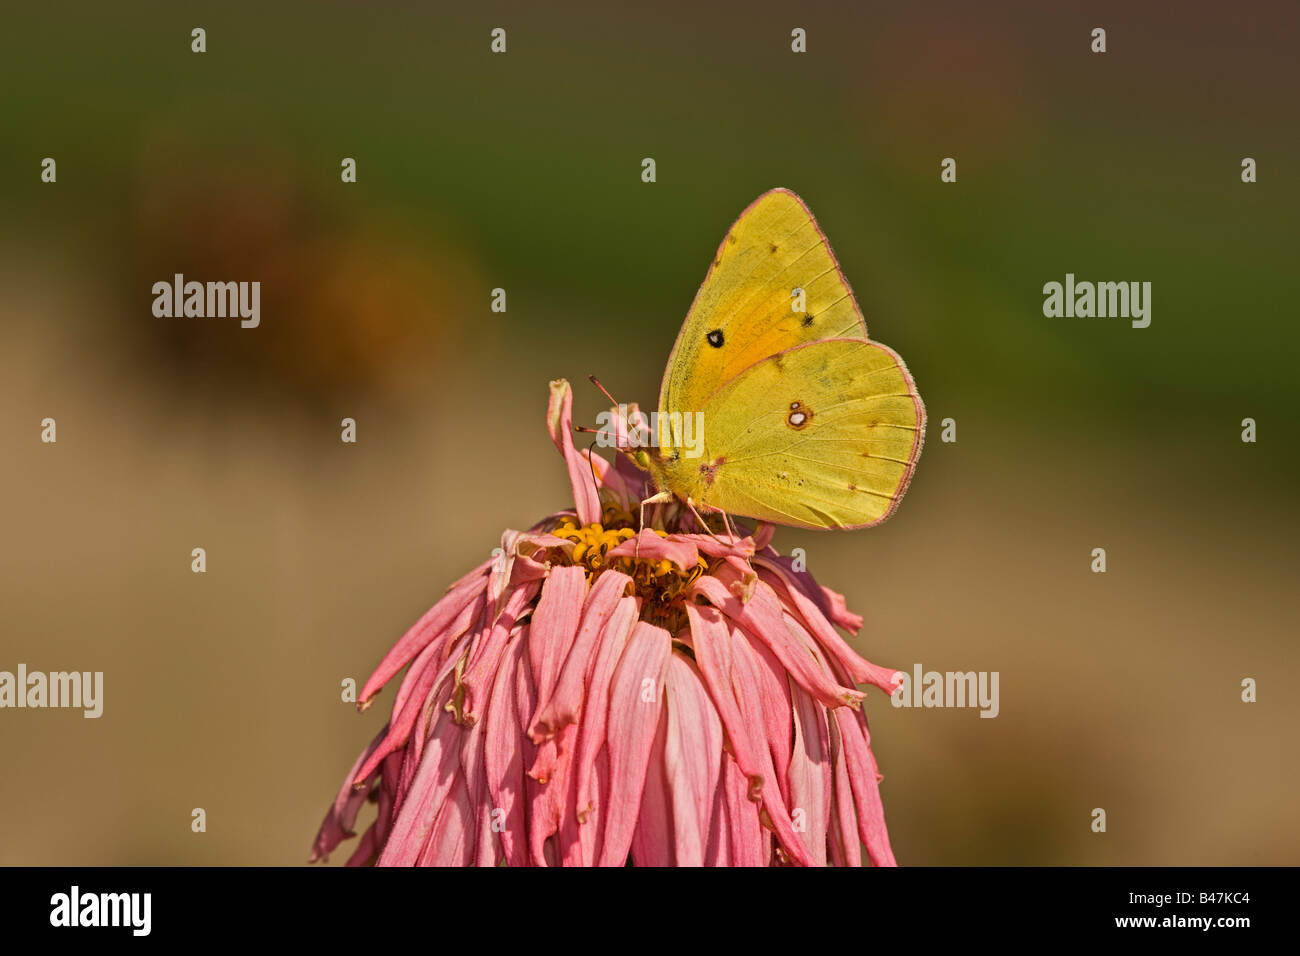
(774, 404)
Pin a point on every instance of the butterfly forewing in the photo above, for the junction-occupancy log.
(773, 284)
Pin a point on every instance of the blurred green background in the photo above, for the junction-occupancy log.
(522, 171)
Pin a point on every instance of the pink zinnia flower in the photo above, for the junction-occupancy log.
(593, 694)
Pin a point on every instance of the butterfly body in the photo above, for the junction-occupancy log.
(800, 420)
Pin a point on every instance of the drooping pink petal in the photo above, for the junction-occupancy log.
(432, 783)
(562, 707)
(515, 567)
(559, 421)
(717, 849)
(776, 719)
(692, 760)
(653, 843)
(742, 814)
(413, 701)
(436, 702)
(342, 815)
(742, 578)
(810, 773)
(838, 611)
(473, 765)
(536, 800)
(451, 841)
(866, 789)
(746, 676)
(366, 848)
(830, 602)
(810, 616)
(406, 772)
(711, 642)
(532, 552)
(390, 775)
(648, 546)
(504, 752)
(845, 842)
(729, 668)
(721, 546)
(568, 840)
(548, 811)
(554, 727)
(592, 757)
(635, 708)
(434, 624)
(555, 627)
(484, 658)
(426, 678)
(591, 824)
(763, 619)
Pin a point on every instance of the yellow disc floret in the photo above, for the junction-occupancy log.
(659, 583)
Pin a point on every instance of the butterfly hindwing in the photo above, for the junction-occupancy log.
(823, 435)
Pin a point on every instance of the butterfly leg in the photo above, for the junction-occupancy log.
(656, 499)
(707, 530)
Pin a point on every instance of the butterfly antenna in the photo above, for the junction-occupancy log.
(604, 391)
(596, 431)
(591, 461)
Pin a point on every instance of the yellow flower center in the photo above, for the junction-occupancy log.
(660, 584)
